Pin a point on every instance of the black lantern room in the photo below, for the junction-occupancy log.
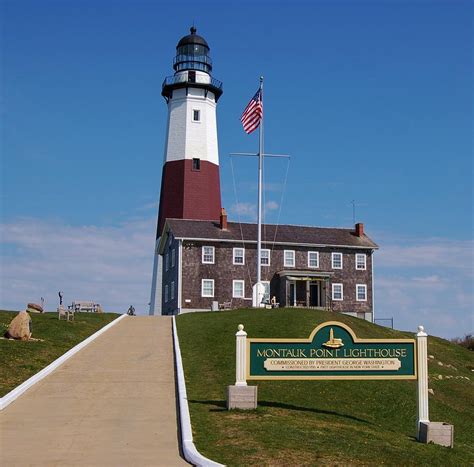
(192, 57)
(192, 53)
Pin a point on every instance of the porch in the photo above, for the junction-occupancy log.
(308, 289)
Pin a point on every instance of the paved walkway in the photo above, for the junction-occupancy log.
(113, 403)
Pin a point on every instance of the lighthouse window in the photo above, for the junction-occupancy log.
(196, 164)
(196, 115)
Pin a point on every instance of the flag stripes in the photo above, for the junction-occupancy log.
(253, 113)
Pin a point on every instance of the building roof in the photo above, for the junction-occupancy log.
(280, 234)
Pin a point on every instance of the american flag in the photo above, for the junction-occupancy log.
(253, 113)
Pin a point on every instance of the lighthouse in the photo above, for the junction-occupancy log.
(190, 183)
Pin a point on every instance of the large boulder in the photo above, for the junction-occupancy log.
(34, 308)
(20, 327)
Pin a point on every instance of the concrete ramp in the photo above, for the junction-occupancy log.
(113, 403)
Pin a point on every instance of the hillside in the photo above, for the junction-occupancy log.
(21, 360)
(319, 422)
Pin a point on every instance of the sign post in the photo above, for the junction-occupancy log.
(240, 356)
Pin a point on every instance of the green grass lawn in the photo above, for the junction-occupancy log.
(319, 422)
(21, 359)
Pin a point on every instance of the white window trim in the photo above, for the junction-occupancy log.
(332, 260)
(202, 287)
(269, 257)
(213, 254)
(357, 292)
(342, 292)
(243, 256)
(172, 291)
(166, 293)
(365, 261)
(192, 115)
(233, 288)
(317, 259)
(284, 259)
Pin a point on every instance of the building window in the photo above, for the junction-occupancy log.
(196, 164)
(173, 257)
(361, 292)
(337, 292)
(172, 291)
(361, 261)
(208, 255)
(167, 261)
(207, 288)
(265, 257)
(336, 260)
(196, 115)
(266, 297)
(239, 256)
(313, 259)
(289, 258)
(238, 289)
(166, 293)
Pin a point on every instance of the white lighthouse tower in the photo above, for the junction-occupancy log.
(190, 183)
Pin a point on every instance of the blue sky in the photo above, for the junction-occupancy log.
(372, 99)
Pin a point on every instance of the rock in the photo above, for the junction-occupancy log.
(431, 391)
(34, 308)
(431, 356)
(440, 363)
(440, 376)
(20, 327)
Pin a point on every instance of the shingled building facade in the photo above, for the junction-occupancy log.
(209, 265)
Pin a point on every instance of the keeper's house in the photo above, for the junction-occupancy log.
(209, 265)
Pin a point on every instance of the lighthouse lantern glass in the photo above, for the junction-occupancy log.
(192, 57)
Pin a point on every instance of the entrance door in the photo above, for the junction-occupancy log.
(292, 294)
(314, 294)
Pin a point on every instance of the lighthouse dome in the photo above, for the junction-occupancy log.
(193, 38)
(192, 53)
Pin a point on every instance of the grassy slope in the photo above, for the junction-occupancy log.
(318, 422)
(20, 360)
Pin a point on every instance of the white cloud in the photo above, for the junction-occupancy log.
(111, 265)
(247, 211)
(430, 252)
(426, 282)
(271, 206)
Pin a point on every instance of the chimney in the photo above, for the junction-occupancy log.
(359, 229)
(223, 219)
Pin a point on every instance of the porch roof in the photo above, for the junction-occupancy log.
(304, 275)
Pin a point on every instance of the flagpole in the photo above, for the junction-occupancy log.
(260, 178)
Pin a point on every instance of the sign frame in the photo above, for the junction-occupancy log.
(309, 340)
